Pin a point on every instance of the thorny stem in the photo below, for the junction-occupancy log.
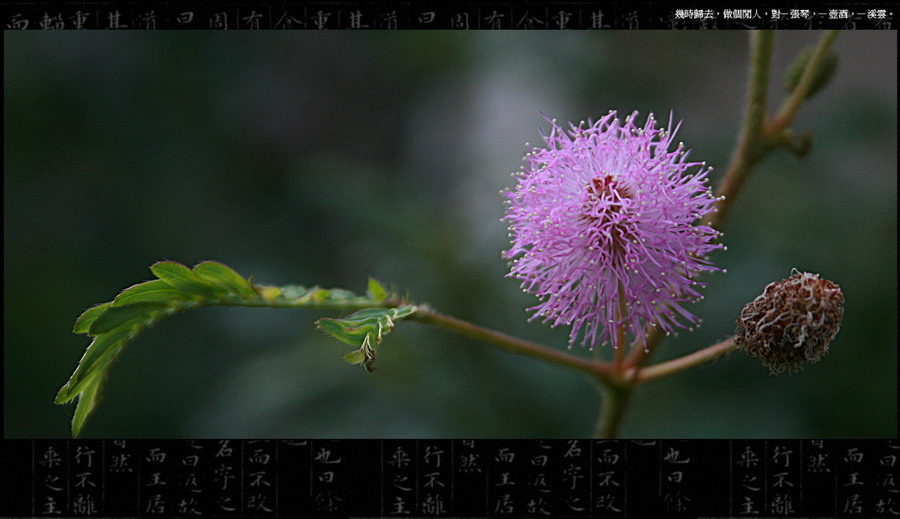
(758, 135)
(750, 146)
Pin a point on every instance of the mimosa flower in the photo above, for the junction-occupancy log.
(603, 229)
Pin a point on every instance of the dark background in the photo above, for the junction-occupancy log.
(323, 158)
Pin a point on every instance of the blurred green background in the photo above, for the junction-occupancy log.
(323, 158)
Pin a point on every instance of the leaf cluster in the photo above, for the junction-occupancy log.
(176, 288)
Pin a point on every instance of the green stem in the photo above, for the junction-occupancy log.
(424, 314)
(614, 402)
(750, 147)
(511, 344)
(362, 304)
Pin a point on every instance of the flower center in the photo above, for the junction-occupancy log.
(599, 185)
(604, 209)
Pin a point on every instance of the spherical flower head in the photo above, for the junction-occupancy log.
(602, 229)
(791, 322)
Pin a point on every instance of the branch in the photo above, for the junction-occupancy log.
(750, 147)
(682, 363)
(177, 288)
(511, 344)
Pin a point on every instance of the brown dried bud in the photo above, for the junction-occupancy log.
(792, 322)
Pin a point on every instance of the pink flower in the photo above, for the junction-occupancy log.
(602, 229)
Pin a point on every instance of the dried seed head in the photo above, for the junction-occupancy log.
(792, 322)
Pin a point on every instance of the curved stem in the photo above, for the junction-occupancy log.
(616, 390)
(750, 146)
(682, 363)
(511, 344)
(424, 314)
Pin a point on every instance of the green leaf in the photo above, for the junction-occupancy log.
(99, 348)
(365, 328)
(224, 277)
(339, 329)
(87, 402)
(114, 328)
(149, 291)
(798, 67)
(125, 316)
(87, 318)
(355, 356)
(184, 279)
(376, 290)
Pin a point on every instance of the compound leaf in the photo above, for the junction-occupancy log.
(112, 325)
(365, 328)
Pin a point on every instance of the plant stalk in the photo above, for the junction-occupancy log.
(750, 146)
(683, 363)
(511, 344)
(613, 404)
